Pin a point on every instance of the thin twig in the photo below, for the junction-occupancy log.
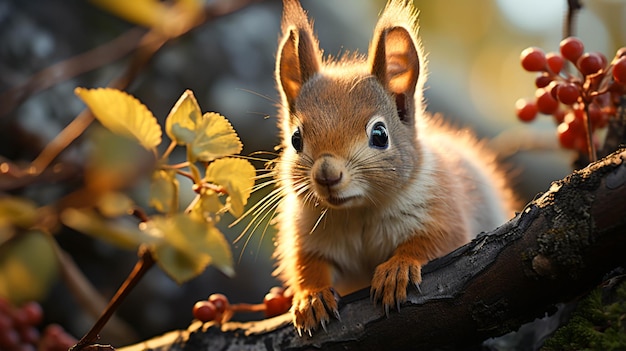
(573, 6)
(87, 296)
(150, 43)
(72, 67)
(146, 261)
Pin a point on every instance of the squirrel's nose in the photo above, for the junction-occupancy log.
(328, 179)
(327, 171)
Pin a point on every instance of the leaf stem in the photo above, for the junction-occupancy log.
(145, 262)
(169, 150)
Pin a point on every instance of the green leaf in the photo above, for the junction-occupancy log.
(180, 124)
(190, 245)
(121, 233)
(215, 138)
(237, 176)
(164, 191)
(122, 114)
(28, 268)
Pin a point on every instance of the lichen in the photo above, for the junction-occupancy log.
(571, 226)
(567, 208)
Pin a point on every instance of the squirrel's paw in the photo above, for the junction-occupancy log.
(312, 308)
(392, 278)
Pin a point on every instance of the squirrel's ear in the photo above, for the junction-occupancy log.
(298, 54)
(395, 60)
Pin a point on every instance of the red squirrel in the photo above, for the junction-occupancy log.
(371, 186)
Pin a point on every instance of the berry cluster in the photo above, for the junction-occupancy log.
(18, 330)
(217, 308)
(579, 103)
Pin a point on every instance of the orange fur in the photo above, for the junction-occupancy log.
(371, 187)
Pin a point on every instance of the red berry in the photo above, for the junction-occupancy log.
(33, 313)
(276, 304)
(572, 48)
(568, 93)
(589, 63)
(576, 120)
(525, 110)
(559, 116)
(204, 311)
(55, 338)
(619, 70)
(542, 80)
(546, 104)
(553, 88)
(533, 59)
(29, 335)
(279, 290)
(220, 301)
(9, 339)
(555, 62)
(598, 117)
(567, 137)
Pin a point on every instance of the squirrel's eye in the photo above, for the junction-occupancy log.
(296, 140)
(379, 138)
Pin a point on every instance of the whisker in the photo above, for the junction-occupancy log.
(266, 97)
(272, 204)
(257, 210)
(318, 220)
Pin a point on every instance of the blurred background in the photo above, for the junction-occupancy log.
(474, 80)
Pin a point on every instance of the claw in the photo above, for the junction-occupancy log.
(337, 315)
(323, 322)
(419, 290)
(387, 311)
(299, 331)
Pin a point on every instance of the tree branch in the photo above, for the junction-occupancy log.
(560, 247)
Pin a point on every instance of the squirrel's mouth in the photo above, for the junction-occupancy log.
(335, 201)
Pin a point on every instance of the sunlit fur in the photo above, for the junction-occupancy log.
(432, 182)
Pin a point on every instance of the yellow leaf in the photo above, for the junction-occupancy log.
(143, 12)
(17, 211)
(207, 206)
(169, 18)
(179, 265)
(215, 138)
(164, 191)
(121, 233)
(180, 124)
(114, 204)
(123, 114)
(114, 161)
(237, 176)
(190, 246)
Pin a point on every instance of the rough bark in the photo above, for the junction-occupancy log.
(559, 247)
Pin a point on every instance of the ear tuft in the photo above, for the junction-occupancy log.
(395, 56)
(299, 56)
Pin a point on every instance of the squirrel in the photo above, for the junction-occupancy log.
(371, 187)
